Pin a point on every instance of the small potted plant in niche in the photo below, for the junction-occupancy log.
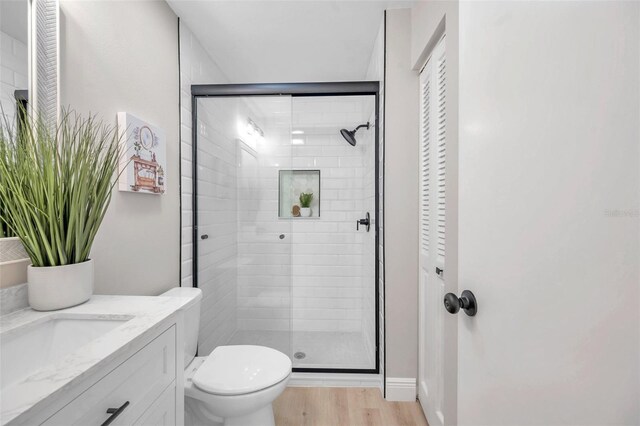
(305, 204)
(56, 186)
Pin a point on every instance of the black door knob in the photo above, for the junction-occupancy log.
(467, 301)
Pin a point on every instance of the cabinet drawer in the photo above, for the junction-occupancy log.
(139, 380)
(162, 412)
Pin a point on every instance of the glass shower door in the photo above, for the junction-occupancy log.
(244, 248)
(280, 258)
(333, 256)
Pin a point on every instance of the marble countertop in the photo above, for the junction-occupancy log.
(142, 314)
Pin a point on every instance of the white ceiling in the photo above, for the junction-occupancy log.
(287, 41)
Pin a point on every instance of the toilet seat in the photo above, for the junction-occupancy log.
(242, 369)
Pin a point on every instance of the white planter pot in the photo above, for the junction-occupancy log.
(58, 287)
(305, 211)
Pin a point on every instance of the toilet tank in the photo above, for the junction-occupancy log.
(191, 319)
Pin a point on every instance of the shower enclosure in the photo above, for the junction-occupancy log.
(285, 220)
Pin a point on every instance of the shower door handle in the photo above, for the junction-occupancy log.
(366, 221)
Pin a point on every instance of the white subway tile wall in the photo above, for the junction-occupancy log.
(13, 72)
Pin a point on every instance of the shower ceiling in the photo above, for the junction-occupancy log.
(287, 41)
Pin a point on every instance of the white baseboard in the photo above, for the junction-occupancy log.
(337, 380)
(401, 389)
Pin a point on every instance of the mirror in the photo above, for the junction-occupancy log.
(14, 55)
(29, 61)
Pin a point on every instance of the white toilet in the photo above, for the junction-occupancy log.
(234, 385)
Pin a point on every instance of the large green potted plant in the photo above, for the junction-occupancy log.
(56, 186)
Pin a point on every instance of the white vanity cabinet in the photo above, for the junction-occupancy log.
(115, 360)
(139, 391)
(162, 412)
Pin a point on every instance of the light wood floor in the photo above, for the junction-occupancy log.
(343, 406)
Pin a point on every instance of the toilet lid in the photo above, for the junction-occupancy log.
(235, 370)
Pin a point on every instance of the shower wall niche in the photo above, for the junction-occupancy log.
(303, 285)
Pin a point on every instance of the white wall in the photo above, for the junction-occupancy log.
(109, 62)
(549, 222)
(401, 200)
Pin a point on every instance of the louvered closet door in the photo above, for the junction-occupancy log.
(433, 348)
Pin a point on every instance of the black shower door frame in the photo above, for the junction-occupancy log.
(347, 88)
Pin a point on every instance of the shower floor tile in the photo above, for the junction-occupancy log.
(322, 349)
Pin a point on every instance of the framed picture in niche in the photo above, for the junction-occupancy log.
(299, 194)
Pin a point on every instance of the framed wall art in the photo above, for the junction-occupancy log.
(145, 156)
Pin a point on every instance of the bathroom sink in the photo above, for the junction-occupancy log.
(35, 346)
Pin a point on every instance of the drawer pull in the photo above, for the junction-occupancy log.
(115, 412)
